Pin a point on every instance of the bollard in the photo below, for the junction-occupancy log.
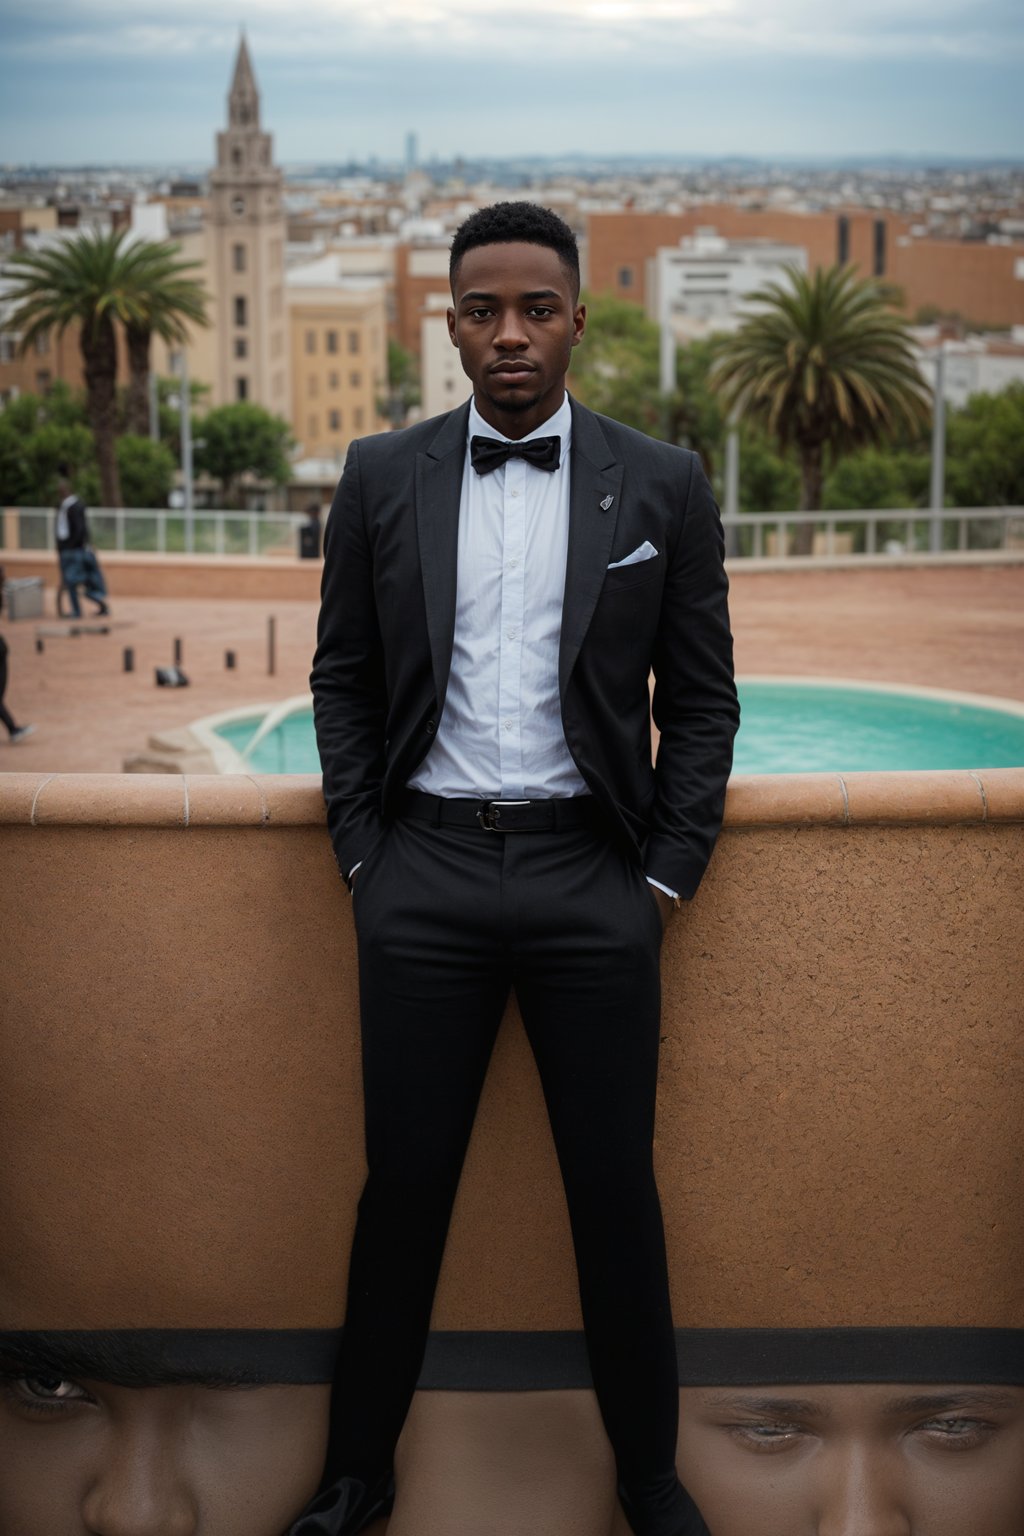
(129, 659)
(271, 647)
(229, 660)
(177, 653)
(39, 645)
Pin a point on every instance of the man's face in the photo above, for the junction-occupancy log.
(85, 1458)
(515, 321)
(856, 1460)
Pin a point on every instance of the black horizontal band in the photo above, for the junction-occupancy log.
(500, 815)
(526, 1362)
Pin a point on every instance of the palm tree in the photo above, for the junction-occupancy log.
(94, 281)
(827, 366)
(168, 296)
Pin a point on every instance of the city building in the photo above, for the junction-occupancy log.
(246, 232)
(443, 382)
(337, 328)
(702, 284)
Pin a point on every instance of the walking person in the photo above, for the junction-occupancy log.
(78, 563)
(499, 583)
(14, 732)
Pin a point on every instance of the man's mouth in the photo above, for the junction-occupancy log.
(512, 368)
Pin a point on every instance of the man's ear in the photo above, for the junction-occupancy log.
(579, 323)
(452, 333)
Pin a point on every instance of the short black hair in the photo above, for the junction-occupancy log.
(506, 223)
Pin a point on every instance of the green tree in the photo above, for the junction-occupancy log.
(695, 416)
(147, 471)
(615, 368)
(403, 385)
(985, 451)
(868, 479)
(168, 300)
(242, 439)
(769, 480)
(37, 435)
(825, 366)
(80, 281)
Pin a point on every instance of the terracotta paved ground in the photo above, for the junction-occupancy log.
(959, 627)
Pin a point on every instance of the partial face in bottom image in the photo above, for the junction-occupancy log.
(889, 1460)
(87, 1458)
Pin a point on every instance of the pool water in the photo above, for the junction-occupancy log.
(786, 728)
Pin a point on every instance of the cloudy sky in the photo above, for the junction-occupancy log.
(141, 81)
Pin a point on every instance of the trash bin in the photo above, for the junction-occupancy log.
(23, 597)
(309, 541)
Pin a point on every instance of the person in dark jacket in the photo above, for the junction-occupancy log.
(78, 563)
(15, 732)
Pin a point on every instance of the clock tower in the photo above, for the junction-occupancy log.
(247, 232)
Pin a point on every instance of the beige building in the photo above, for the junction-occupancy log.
(246, 251)
(443, 382)
(338, 355)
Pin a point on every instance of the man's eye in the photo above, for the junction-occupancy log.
(956, 1433)
(766, 1437)
(479, 314)
(51, 1388)
(540, 310)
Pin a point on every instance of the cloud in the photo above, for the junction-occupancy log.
(863, 29)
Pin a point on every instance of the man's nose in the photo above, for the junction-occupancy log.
(860, 1495)
(140, 1490)
(511, 332)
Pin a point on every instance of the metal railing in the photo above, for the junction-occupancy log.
(754, 535)
(256, 535)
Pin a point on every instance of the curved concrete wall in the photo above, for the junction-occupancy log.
(840, 1118)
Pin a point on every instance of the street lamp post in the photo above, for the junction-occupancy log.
(179, 363)
(938, 488)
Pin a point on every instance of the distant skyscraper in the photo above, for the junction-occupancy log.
(247, 231)
(411, 151)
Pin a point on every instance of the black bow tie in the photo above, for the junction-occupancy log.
(488, 452)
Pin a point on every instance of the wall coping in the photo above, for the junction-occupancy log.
(957, 797)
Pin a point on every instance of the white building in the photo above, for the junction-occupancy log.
(443, 384)
(703, 283)
(972, 365)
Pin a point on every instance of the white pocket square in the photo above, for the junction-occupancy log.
(645, 552)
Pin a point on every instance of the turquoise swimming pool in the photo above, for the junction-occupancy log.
(787, 727)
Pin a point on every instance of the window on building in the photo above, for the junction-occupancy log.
(8, 349)
(312, 385)
(357, 417)
(335, 421)
(311, 341)
(625, 277)
(241, 389)
(353, 341)
(332, 381)
(44, 379)
(238, 257)
(42, 344)
(355, 380)
(879, 248)
(843, 240)
(332, 341)
(241, 347)
(236, 155)
(314, 428)
(240, 311)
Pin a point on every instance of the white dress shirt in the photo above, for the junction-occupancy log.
(500, 734)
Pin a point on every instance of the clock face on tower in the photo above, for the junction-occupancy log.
(238, 205)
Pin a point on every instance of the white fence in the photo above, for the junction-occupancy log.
(757, 535)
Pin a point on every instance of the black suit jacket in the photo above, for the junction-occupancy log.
(387, 621)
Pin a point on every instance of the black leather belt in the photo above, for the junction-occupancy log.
(500, 815)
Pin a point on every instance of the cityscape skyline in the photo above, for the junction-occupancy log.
(119, 83)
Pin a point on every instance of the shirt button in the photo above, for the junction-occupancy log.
(512, 564)
(430, 727)
(508, 725)
(514, 493)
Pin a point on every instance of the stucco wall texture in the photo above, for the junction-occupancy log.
(840, 1132)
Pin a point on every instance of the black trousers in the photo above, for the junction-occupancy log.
(448, 920)
(6, 718)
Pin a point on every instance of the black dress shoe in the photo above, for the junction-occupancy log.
(665, 1509)
(344, 1508)
(102, 610)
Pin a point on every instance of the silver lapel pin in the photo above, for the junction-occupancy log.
(606, 503)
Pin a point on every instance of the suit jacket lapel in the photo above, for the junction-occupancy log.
(596, 476)
(438, 494)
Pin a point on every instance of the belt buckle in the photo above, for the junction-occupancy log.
(489, 815)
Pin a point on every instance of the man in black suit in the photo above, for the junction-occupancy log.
(498, 585)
